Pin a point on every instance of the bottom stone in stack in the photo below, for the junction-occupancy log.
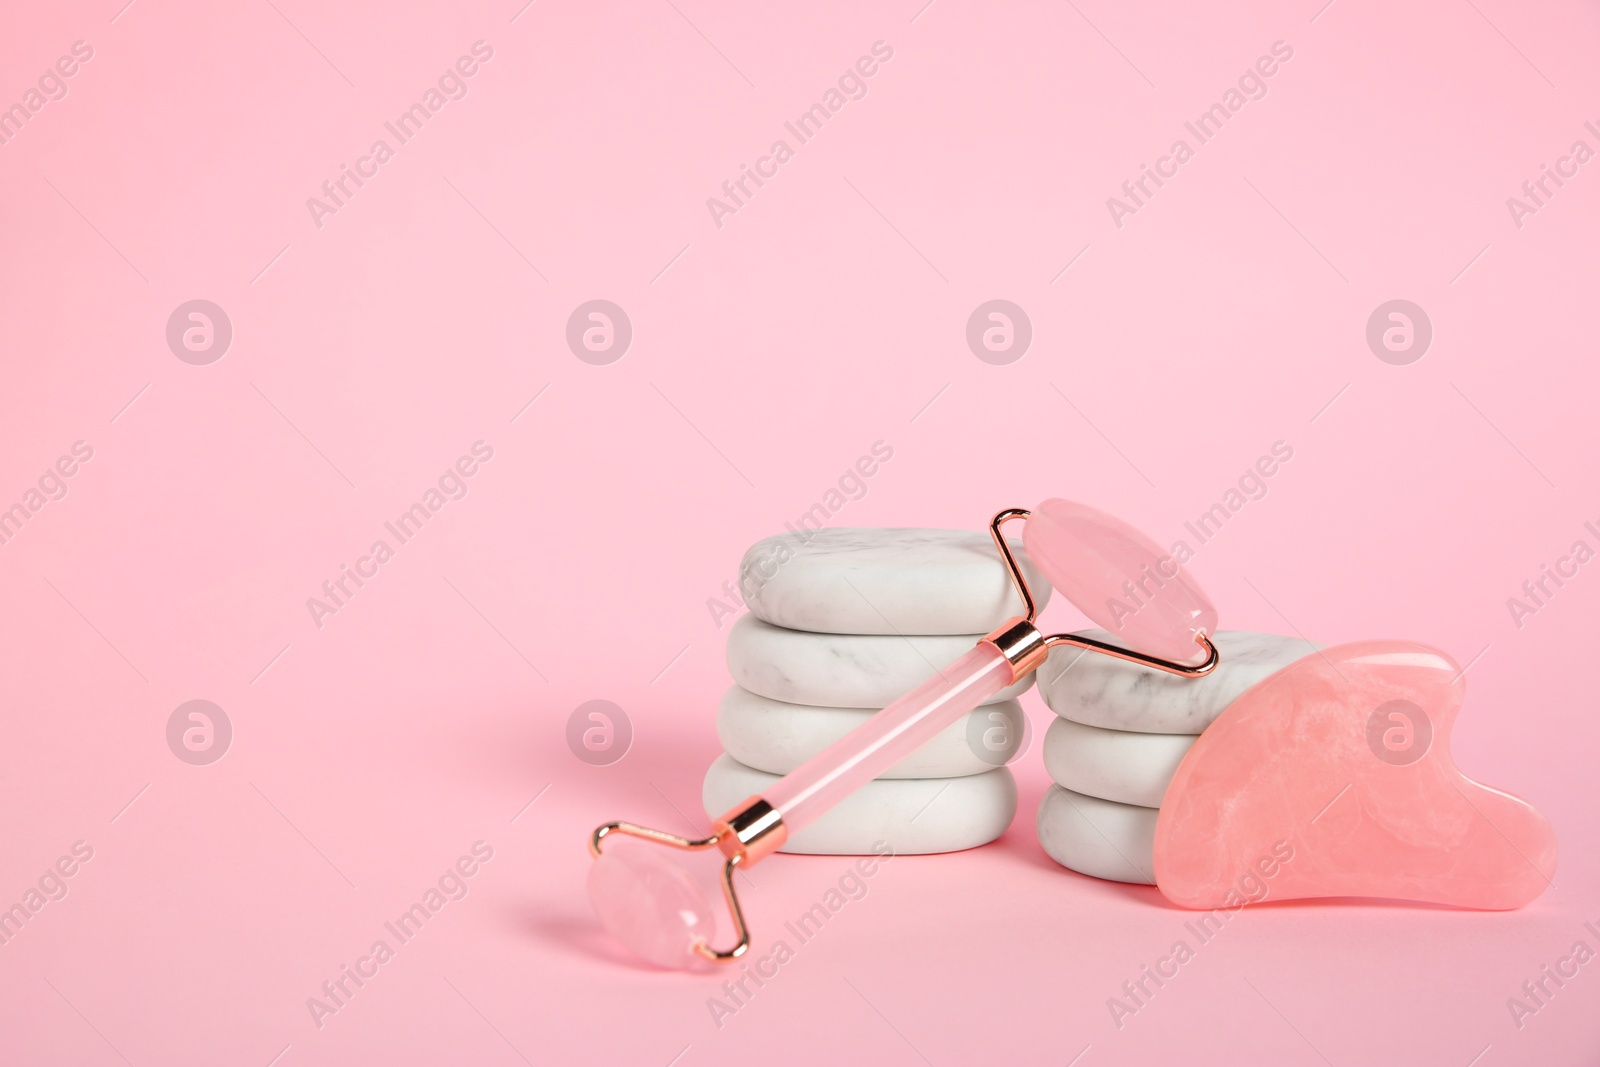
(1099, 837)
(915, 816)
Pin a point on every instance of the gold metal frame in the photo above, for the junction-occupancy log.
(755, 828)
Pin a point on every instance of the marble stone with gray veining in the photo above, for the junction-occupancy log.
(1099, 690)
(776, 736)
(866, 580)
(842, 670)
(1098, 837)
(911, 816)
(1119, 765)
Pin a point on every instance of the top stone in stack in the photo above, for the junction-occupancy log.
(1113, 694)
(866, 580)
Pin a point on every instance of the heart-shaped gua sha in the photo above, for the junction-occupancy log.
(1333, 778)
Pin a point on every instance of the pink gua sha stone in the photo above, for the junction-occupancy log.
(1343, 757)
(1119, 578)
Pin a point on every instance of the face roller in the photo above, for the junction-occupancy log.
(1115, 575)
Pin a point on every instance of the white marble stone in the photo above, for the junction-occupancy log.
(914, 815)
(866, 580)
(841, 670)
(1098, 837)
(1099, 690)
(1117, 765)
(776, 736)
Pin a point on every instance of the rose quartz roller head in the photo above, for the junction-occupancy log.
(1098, 562)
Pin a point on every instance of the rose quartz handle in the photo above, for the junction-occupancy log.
(805, 793)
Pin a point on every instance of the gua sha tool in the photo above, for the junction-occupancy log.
(655, 908)
(1341, 762)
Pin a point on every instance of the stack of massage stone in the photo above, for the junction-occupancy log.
(841, 623)
(1121, 731)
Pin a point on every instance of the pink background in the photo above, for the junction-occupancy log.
(369, 353)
